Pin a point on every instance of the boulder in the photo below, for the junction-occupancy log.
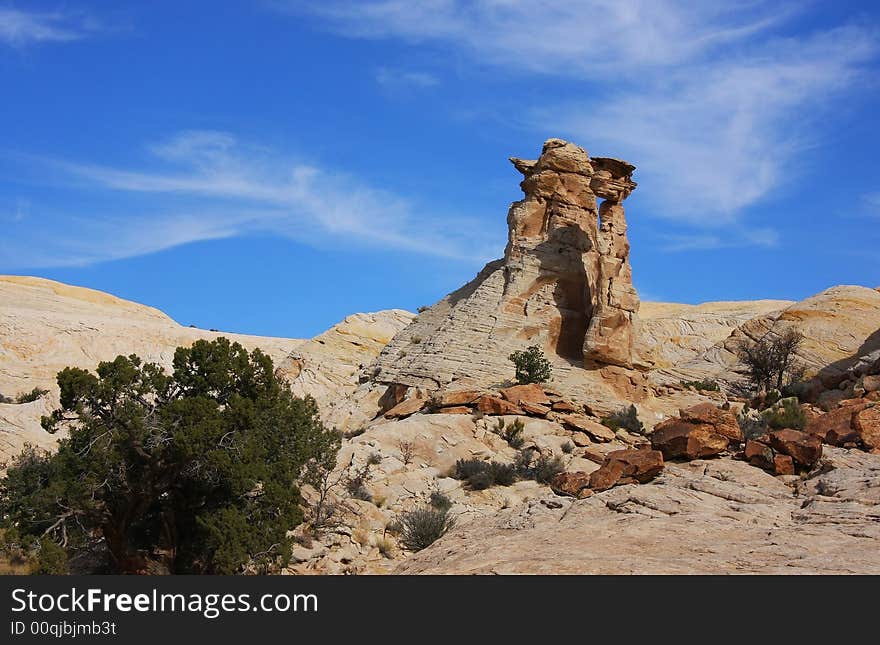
(488, 404)
(626, 467)
(759, 454)
(783, 465)
(531, 393)
(866, 423)
(564, 407)
(804, 448)
(723, 422)
(457, 397)
(641, 465)
(581, 440)
(608, 475)
(834, 427)
(405, 409)
(594, 429)
(676, 438)
(455, 409)
(572, 484)
(534, 409)
(871, 383)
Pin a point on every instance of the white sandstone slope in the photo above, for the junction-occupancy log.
(46, 326)
(670, 333)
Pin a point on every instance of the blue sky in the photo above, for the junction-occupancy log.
(270, 167)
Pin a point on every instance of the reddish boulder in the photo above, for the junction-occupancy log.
(723, 422)
(595, 430)
(455, 409)
(642, 465)
(458, 397)
(833, 427)
(488, 404)
(534, 409)
(803, 447)
(608, 475)
(575, 484)
(676, 438)
(867, 425)
(626, 467)
(519, 394)
(759, 454)
(783, 465)
(405, 409)
(564, 407)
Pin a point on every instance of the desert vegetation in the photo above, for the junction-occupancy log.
(193, 471)
(531, 365)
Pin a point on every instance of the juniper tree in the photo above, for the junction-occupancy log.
(195, 471)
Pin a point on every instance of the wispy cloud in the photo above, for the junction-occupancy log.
(19, 28)
(241, 189)
(394, 78)
(729, 238)
(713, 101)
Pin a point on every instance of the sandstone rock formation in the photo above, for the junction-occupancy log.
(840, 326)
(564, 283)
(670, 334)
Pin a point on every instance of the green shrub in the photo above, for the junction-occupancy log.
(512, 434)
(787, 413)
(541, 469)
(30, 397)
(440, 501)
(625, 419)
(531, 365)
(702, 386)
(214, 449)
(49, 560)
(479, 474)
(422, 527)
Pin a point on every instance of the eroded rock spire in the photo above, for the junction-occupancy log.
(564, 283)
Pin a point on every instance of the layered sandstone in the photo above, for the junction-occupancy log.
(46, 326)
(564, 283)
(840, 325)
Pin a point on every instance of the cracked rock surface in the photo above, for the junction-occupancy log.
(702, 517)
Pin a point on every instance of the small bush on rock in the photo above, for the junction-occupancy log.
(440, 501)
(541, 469)
(479, 475)
(702, 386)
(512, 434)
(422, 527)
(787, 413)
(531, 365)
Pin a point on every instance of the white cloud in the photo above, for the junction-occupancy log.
(588, 37)
(240, 189)
(729, 238)
(713, 101)
(392, 78)
(18, 28)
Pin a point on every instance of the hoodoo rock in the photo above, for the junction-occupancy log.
(564, 283)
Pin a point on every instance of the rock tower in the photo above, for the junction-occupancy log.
(565, 283)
